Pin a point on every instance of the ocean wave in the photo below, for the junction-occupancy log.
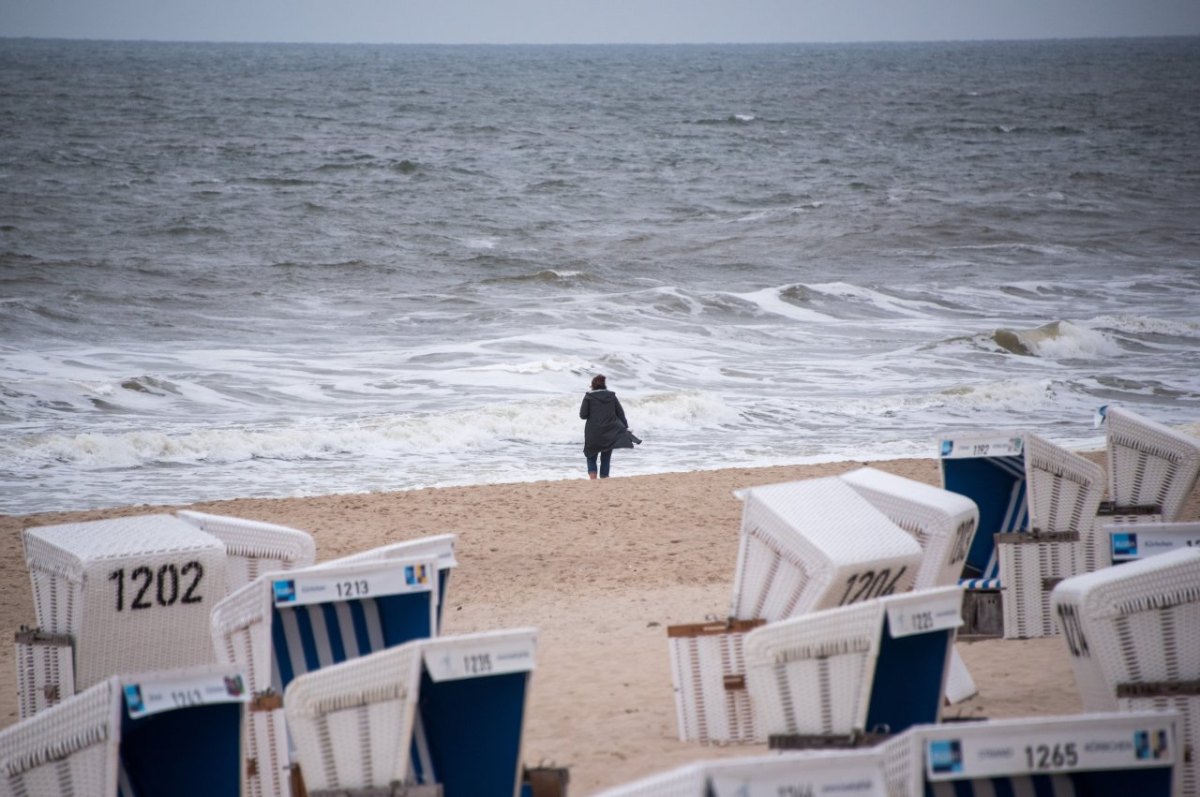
(1058, 340)
(1144, 325)
(550, 422)
(545, 276)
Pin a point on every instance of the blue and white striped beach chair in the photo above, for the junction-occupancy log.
(1037, 508)
(286, 624)
(171, 733)
(1083, 755)
(876, 667)
(447, 711)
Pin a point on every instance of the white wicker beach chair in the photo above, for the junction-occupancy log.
(447, 711)
(1037, 504)
(816, 544)
(944, 524)
(858, 772)
(253, 547)
(709, 677)
(876, 667)
(113, 596)
(1081, 755)
(285, 624)
(1133, 633)
(437, 546)
(171, 733)
(1152, 469)
(1129, 542)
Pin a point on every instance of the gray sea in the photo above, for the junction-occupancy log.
(275, 270)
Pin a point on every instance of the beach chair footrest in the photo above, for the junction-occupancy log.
(1112, 509)
(1159, 689)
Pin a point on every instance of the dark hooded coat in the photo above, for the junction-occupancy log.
(606, 427)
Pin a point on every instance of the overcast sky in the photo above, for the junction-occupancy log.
(594, 21)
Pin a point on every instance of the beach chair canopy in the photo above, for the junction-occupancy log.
(1151, 467)
(253, 547)
(133, 594)
(875, 667)
(855, 772)
(437, 546)
(446, 711)
(170, 733)
(941, 521)
(1098, 755)
(816, 544)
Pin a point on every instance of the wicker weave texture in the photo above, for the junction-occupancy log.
(1029, 570)
(437, 546)
(352, 723)
(135, 593)
(1150, 464)
(708, 708)
(686, 781)
(1136, 623)
(812, 674)
(265, 741)
(45, 674)
(942, 522)
(816, 544)
(70, 746)
(1065, 491)
(253, 547)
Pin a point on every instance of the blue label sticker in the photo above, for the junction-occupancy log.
(285, 591)
(945, 755)
(133, 699)
(1125, 544)
(947, 447)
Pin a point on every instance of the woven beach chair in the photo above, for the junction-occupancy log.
(830, 772)
(1152, 469)
(253, 547)
(876, 667)
(447, 712)
(437, 546)
(1037, 505)
(1133, 634)
(816, 544)
(283, 625)
(1082, 755)
(708, 674)
(1130, 542)
(944, 524)
(113, 596)
(170, 733)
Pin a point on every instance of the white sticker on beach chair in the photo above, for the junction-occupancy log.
(921, 617)
(154, 695)
(473, 658)
(1129, 545)
(384, 578)
(1030, 751)
(981, 447)
(856, 781)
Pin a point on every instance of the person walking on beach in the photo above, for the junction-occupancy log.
(606, 427)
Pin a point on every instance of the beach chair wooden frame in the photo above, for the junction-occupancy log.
(119, 595)
(1024, 484)
(816, 544)
(1133, 635)
(113, 738)
(285, 624)
(253, 547)
(873, 667)
(1099, 755)
(708, 673)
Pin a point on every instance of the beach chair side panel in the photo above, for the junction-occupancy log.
(708, 673)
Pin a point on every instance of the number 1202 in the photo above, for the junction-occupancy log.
(166, 587)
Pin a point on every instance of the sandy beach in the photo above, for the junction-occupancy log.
(601, 568)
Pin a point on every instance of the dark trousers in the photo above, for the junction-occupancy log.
(605, 461)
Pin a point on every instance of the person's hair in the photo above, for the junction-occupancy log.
(598, 382)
